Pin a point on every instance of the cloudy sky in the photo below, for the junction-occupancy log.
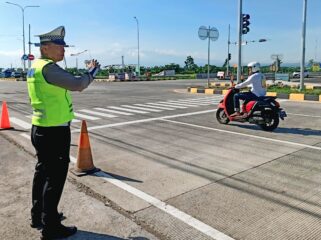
(168, 29)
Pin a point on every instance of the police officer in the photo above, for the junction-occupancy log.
(48, 87)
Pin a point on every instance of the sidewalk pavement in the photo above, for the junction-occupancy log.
(93, 218)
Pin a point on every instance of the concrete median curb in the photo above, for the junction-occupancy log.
(291, 96)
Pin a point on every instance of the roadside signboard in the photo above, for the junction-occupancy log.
(24, 57)
(31, 57)
(316, 67)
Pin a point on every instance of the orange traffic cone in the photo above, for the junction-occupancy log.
(84, 163)
(5, 122)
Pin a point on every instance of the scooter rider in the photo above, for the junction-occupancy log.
(256, 81)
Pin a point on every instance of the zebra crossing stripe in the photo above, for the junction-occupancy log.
(142, 108)
(113, 111)
(20, 123)
(127, 110)
(173, 104)
(204, 102)
(97, 113)
(193, 104)
(166, 105)
(181, 104)
(85, 116)
(157, 107)
(196, 101)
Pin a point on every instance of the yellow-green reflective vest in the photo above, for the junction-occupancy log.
(52, 105)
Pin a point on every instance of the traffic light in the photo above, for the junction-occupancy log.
(229, 56)
(245, 23)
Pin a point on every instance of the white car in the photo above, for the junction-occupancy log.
(297, 74)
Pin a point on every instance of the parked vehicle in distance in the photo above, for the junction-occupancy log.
(297, 74)
(6, 74)
(16, 74)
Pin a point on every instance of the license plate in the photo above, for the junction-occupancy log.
(282, 114)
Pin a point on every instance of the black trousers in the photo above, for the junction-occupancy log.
(52, 146)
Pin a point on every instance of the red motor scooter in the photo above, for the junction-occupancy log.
(265, 111)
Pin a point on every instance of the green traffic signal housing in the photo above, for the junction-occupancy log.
(245, 23)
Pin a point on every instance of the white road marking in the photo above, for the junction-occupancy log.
(176, 104)
(97, 113)
(245, 135)
(142, 108)
(166, 105)
(25, 135)
(195, 101)
(145, 120)
(113, 111)
(75, 120)
(187, 219)
(85, 116)
(198, 103)
(180, 104)
(20, 123)
(303, 115)
(127, 110)
(158, 107)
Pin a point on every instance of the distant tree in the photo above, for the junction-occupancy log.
(102, 72)
(225, 63)
(143, 70)
(310, 63)
(111, 69)
(172, 66)
(189, 63)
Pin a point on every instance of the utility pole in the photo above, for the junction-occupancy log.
(138, 63)
(29, 42)
(305, 2)
(212, 34)
(228, 50)
(123, 63)
(239, 59)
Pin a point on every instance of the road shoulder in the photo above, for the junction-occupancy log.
(94, 219)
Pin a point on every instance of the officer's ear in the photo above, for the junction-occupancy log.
(43, 49)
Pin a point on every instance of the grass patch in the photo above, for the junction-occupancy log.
(288, 90)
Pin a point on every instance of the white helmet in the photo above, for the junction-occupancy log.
(255, 66)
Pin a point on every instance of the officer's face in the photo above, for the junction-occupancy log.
(53, 51)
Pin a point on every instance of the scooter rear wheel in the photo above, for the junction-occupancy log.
(221, 116)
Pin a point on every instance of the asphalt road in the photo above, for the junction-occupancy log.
(179, 174)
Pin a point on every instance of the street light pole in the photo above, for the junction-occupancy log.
(208, 56)
(138, 46)
(76, 55)
(23, 28)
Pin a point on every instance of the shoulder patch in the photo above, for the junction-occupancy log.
(31, 73)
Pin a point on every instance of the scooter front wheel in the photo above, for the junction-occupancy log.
(221, 116)
(273, 124)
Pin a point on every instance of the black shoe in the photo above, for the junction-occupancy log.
(36, 222)
(60, 231)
